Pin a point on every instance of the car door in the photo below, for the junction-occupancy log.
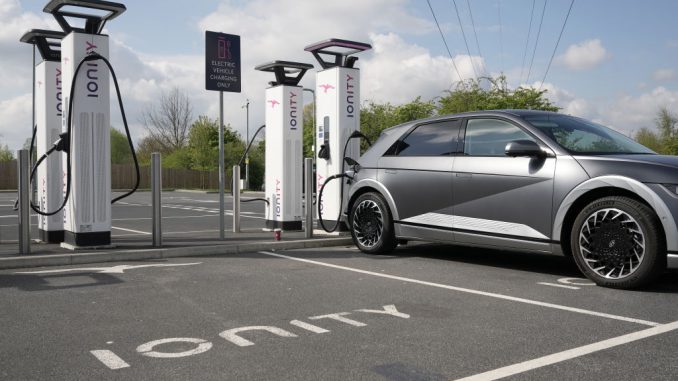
(417, 171)
(500, 200)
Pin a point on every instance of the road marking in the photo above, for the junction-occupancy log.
(130, 230)
(147, 348)
(558, 285)
(571, 353)
(109, 359)
(109, 270)
(164, 218)
(470, 291)
(576, 281)
(232, 334)
(340, 317)
(308, 327)
(388, 310)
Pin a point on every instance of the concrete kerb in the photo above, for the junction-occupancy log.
(143, 254)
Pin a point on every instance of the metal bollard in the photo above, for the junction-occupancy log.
(156, 192)
(308, 200)
(236, 198)
(24, 202)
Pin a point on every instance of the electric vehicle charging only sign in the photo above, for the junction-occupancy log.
(222, 62)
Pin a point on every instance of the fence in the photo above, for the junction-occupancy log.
(123, 176)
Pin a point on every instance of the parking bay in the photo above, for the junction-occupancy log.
(469, 312)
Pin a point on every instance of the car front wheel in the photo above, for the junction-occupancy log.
(372, 225)
(617, 242)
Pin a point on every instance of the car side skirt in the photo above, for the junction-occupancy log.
(417, 231)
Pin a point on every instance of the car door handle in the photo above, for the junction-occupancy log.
(391, 171)
(463, 175)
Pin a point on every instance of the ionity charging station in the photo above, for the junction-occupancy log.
(87, 217)
(48, 114)
(337, 116)
(284, 144)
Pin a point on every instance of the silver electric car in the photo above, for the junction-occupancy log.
(521, 180)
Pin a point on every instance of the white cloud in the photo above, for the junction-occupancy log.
(584, 55)
(15, 121)
(397, 72)
(664, 75)
(630, 113)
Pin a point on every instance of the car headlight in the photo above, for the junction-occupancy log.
(673, 188)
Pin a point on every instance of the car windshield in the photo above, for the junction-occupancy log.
(579, 136)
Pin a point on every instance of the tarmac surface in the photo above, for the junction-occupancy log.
(188, 218)
(427, 312)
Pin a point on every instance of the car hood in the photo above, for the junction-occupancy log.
(660, 169)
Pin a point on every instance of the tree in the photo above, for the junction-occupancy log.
(146, 146)
(309, 130)
(120, 151)
(376, 117)
(470, 96)
(649, 139)
(5, 154)
(169, 121)
(203, 143)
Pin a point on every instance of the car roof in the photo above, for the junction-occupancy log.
(508, 112)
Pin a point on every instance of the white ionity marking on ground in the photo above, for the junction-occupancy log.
(130, 230)
(470, 291)
(558, 285)
(571, 353)
(109, 359)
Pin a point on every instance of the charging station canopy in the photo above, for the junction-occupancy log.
(222, 62)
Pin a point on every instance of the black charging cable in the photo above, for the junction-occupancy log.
(344, 159)
(64, 143)
(244, 155)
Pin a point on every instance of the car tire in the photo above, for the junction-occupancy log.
(617, 242)
(371, 224)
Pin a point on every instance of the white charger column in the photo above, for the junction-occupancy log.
(284, 145)
(337, 117)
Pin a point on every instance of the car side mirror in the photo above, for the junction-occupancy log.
(523, 148)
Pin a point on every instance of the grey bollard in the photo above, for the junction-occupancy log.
(308, 198)
(156, 191)
(24, 202)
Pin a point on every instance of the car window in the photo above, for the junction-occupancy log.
(580, 136)
(433, 139)
(488, 137)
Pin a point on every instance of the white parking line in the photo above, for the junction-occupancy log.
(571, 353)
(109, 359)
(169, 233)
(558, 285)
(470, 291)
(131, 230)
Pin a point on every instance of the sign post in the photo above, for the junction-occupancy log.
(222, 73)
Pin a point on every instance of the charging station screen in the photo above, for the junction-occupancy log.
(222, 62)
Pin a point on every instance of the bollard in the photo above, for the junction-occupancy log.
(24, 202)
(308, 200)
(236, 198)
(156, 191)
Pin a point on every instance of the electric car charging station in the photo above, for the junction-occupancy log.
(338, 117)
(87, 217)
(284, 137)
(48, 109)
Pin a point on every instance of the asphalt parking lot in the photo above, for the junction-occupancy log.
(428, 312)
(187, 217)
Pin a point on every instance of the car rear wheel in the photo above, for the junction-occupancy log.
(372, 225)
(617, 242)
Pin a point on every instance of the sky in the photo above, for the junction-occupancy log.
(616, 64)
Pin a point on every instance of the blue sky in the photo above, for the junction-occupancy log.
(616, 62)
